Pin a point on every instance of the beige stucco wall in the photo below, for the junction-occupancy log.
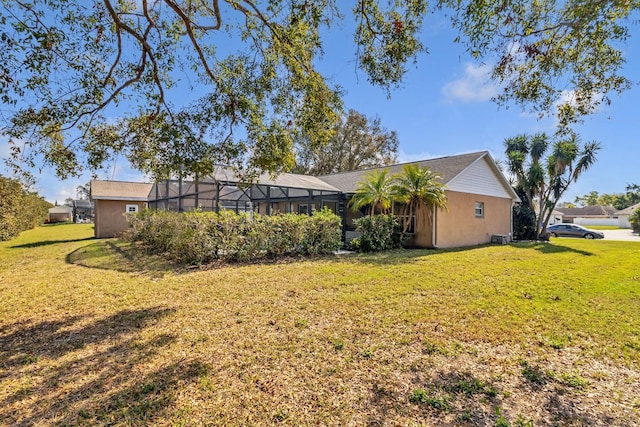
(110, 218)
(423, 230)
(460, 227)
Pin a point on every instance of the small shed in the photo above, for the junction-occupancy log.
(60, 214)
(112, 201)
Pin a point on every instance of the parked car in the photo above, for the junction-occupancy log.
(573, 230)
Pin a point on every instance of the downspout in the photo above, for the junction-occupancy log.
(433, 228)
(513, 204)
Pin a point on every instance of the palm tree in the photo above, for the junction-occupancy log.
(419, 190)
(375, 191)
(545, 180)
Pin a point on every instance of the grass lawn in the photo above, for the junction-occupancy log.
(93, 332)
(602, 227)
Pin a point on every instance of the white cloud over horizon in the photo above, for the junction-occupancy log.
(474, 86)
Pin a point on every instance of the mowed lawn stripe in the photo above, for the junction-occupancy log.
(96, 332)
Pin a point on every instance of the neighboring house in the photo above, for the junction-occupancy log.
(60, 214)
(555, 218)
(480, 199)
(112, 201)
(590, 215)
(623, 215)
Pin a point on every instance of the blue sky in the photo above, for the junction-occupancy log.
(444, 108)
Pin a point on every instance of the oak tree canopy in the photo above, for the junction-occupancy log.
(357, 143)
(82, 81)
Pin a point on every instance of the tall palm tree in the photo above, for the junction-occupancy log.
(375, 191)
(545, 180)
(419, 191)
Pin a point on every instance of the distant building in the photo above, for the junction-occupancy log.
(590, 215)
(623, 215)
(60, 214)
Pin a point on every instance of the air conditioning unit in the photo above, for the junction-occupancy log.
(499, 239)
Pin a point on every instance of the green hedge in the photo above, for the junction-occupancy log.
(20, 209)
(377, 233)
(201, 237)
(634, 219)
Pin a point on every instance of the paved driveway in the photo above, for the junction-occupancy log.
(622, 234)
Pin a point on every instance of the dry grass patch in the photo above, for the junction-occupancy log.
(95, 333)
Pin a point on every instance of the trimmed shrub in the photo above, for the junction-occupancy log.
(321, 233)
(200, 237)
(379, 233)
(634, 219)
(285, 234)
(524, 219)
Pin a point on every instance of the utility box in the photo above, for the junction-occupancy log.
(499, 239)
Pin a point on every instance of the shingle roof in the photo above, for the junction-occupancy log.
(589, 211)
(120, 190)
(60, 209)
(448, 167)
(629, 210)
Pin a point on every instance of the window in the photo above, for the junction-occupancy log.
(131, 209)
(479, 210)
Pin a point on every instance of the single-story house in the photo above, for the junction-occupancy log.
(60, 214)
(623, 215)
(590, 215)
(555, 218)
(113, 200)
(480, 199)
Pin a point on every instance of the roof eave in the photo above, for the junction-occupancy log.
(120, 198)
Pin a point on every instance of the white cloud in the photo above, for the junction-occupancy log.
(121, 170)
(568, 97)
(474, 86)
(4, 148)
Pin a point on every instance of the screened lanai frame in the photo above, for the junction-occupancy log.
(222, 190)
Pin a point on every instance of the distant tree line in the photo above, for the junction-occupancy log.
(20, 209)
(630, 197)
